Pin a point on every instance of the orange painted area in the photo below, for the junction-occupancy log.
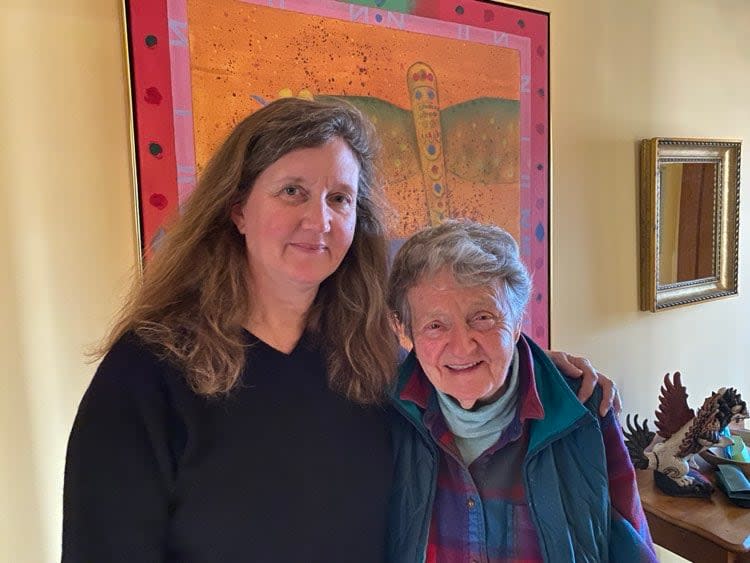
(240, 50)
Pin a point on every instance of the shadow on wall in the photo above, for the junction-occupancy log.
(21, 526)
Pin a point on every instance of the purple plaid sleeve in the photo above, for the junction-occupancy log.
(623, 490)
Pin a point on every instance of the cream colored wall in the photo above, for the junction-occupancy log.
(621, 71)
(66, 242)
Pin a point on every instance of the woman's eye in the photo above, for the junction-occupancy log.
(341, 199)
(292, 191)
(483, 321)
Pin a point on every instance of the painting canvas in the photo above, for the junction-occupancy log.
(457, 92)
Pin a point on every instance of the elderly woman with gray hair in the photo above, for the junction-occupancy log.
(497, 460)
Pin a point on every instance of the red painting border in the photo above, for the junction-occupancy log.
(148, 45)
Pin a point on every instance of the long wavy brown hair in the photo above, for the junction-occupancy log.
(195, 292)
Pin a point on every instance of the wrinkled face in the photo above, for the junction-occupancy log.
(300, 215)
(461, 338)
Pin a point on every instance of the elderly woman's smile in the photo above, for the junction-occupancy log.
(461, 337)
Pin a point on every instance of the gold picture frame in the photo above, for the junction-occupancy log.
(689, 220)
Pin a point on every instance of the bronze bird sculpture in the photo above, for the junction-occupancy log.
(681, 434)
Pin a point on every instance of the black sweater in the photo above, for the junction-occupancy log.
(282, 470)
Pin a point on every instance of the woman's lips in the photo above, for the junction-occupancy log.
(313, 248)
(463, 366)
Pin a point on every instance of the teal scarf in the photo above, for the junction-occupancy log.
(476, 430)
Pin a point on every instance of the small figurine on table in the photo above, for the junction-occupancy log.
(682, 433)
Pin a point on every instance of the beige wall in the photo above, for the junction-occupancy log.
(621, 71)
(66, 242)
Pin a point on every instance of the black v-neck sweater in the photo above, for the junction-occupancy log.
(282, 470)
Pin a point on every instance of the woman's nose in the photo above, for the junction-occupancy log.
(462, 341)
(317, 215)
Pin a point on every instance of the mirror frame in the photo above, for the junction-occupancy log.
(726, 155)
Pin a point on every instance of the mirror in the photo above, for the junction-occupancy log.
(687, 200)
(689, 220)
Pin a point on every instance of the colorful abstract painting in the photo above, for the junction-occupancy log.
(457, 92)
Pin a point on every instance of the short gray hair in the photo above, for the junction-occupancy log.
(476, 254)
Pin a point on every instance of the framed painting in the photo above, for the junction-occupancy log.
(457, 90)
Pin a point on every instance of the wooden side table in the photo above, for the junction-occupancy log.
(709, 530)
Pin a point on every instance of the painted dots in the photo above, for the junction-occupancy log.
(159, 201)
(155, 149)
(152, 96)
(422, 75)
(150, 41)
(539, 232)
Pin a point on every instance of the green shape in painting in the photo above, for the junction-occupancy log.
(405, 6)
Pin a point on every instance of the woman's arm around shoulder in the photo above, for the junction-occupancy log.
(118, 468)
(580, 367)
